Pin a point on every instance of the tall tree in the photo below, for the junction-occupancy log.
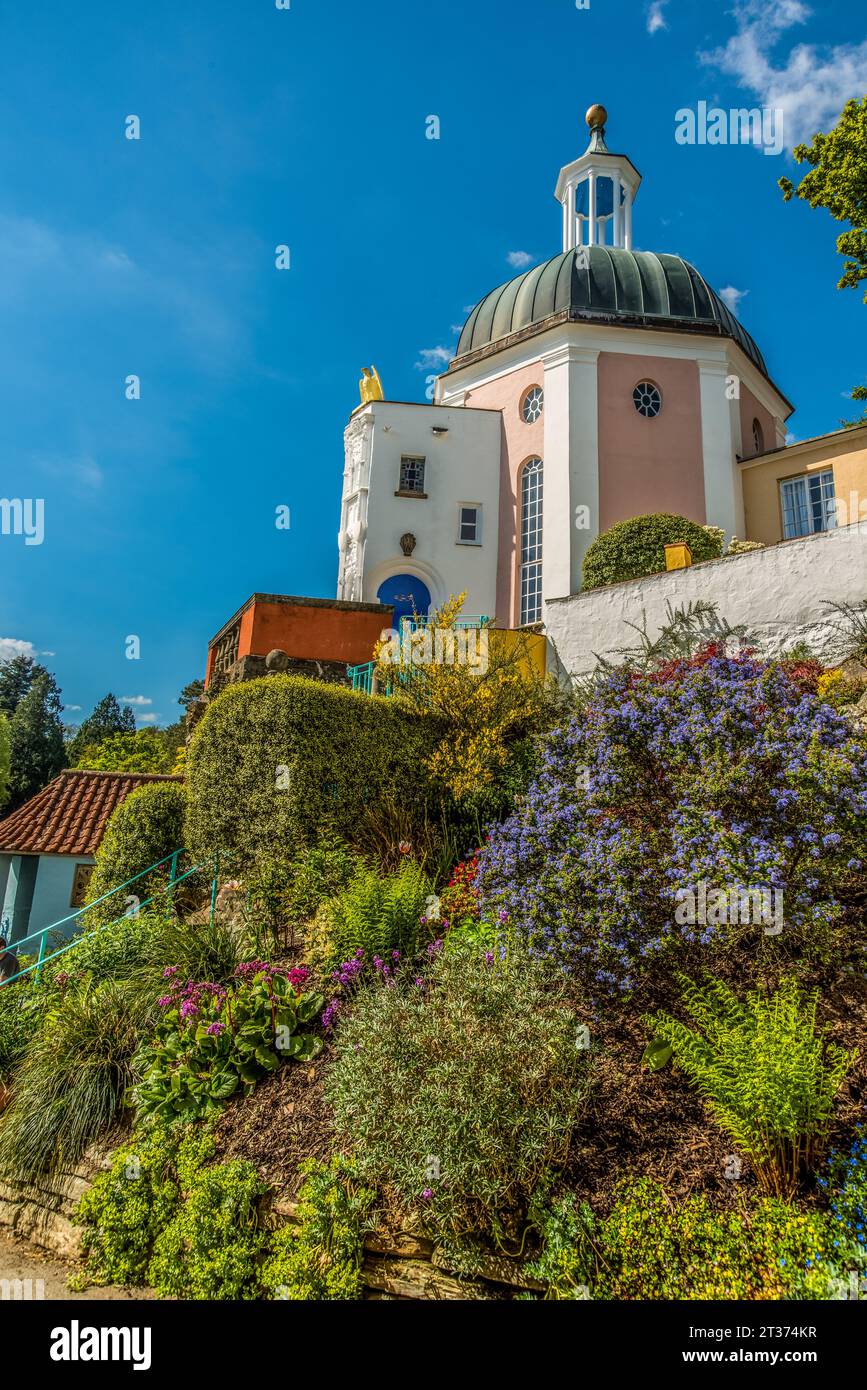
(109, 717)
(16, 678)
(36, 736)
(837, 182)
(5, 759)
(190, 693)
(145, 751)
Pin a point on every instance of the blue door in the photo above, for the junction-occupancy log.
(406, 594)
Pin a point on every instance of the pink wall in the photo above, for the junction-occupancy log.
(649, 465)
(750, 411)
(520, 442)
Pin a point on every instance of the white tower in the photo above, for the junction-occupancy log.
(596, 191)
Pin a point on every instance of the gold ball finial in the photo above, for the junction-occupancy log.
(596, 116)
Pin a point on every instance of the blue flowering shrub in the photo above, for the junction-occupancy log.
(707, 779)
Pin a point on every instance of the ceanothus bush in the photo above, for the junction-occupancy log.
(717, 770)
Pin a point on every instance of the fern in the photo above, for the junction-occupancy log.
(376, 914)
(765, 1071)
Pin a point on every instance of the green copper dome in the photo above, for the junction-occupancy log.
(604, 284)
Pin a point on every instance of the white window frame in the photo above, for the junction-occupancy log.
(808, 504)
(477, 508)
(532, 494)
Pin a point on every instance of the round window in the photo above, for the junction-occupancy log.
(531, 406)
(648, 399)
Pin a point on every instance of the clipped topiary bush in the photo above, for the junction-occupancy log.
(635, 548)
(275, 762)
(145, 828)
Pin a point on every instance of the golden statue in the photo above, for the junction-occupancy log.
(370, 386)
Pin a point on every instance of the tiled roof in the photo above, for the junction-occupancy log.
(69, 816)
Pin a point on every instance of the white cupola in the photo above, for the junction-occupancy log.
(597, 192)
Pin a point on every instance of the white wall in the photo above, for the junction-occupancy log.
(461, 466)
(777, 593)
(53, 891)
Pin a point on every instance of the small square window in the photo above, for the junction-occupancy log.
(80, 883)
(411, 474)
(469, 524)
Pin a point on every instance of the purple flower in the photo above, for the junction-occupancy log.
(170, 970)
(427, 1193)
(215, 1029)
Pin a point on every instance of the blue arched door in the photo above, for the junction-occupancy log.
(407, 594)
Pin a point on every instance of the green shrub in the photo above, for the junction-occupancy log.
(651, 1247)
(71, 1083)
(114, 951)
(765, 1071)
(145, 828)
(319, 1259)
(274, 762)
(212, 1248)
(462, 1089)
(284, 894)
(126, 1208)
(20, 1016)
(212, 1041)
(635, 548)
(374, 913)
(167, 1216)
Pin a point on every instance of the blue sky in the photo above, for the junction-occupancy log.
(306, 127)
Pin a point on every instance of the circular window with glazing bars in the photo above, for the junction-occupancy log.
(647, 399)
(531, 405)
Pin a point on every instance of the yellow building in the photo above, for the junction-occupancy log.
(807, 487)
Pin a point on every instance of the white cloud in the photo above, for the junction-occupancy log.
(656, 16)
(14, 646)
(519, 259)
(147, 718)
(136, 700)
(810, 85)
(732, 297)
(456, 328)
(433, 357)
(66, 707)
(468, 308)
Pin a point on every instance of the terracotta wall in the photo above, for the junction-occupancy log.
(309, 632)
(520, 442)
(649, 465)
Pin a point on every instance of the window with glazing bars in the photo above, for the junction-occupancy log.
(809, 504)
(411, 474)
(531, 542)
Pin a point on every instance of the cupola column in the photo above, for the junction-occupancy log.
(584, 199)
(593, 228)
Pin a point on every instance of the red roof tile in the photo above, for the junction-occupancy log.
(69, 816)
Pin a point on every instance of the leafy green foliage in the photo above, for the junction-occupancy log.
(650, 1247)
(462, 1090)
(144, 829)
(126, 1208)
(765, 1071)
(71, 1083)
(213, 1246)
(108, 717)
(635, 548)
(837, 181)
(319, 1259)
(5, 758)
(20, 1016)
(145, 751)
(276, 761)
(16, 678)
(36, 739)
(375, 913)
(284, 894)
(212, 1042)
(167, 1216)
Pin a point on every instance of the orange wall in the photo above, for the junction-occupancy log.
(844, 451)
(321, 634)
(750, 411)
(649, 465)
(520, 442)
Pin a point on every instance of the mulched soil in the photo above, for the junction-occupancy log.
(283, 1122)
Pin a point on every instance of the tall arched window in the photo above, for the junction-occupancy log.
(531, 542)
(758, 438)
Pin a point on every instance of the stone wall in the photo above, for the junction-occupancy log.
(778, 594)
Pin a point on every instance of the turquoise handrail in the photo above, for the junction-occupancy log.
(173, 882)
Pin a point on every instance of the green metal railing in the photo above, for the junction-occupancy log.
(169, 888)
(361, 677)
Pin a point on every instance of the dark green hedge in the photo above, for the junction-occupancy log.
(146, 827)
(343, 753)
(635, 548)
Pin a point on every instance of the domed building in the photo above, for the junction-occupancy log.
(601, 385)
